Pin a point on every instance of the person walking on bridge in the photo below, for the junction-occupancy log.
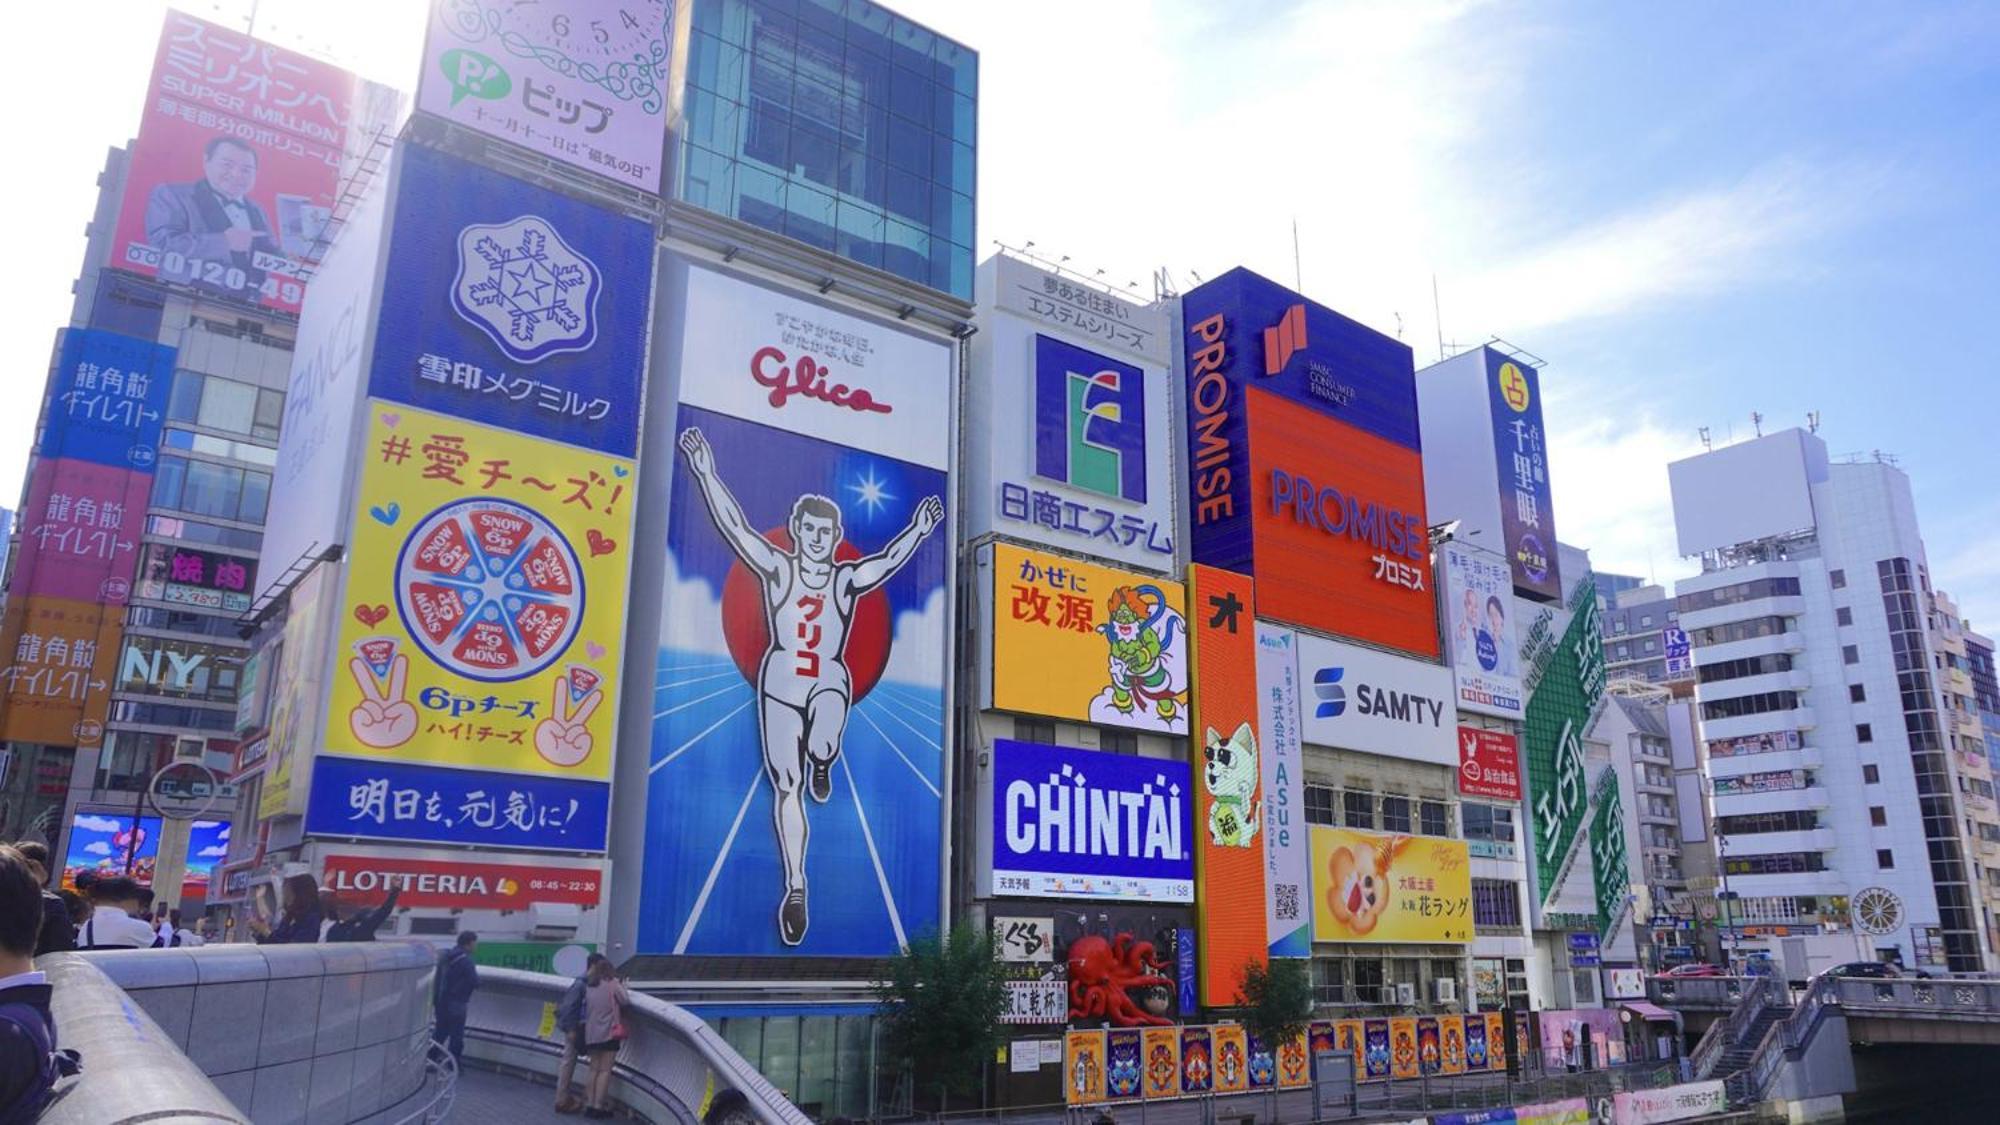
(605, 998)
(457, 978)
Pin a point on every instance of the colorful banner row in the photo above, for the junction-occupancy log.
(1412, 1046)
(1177, 1062)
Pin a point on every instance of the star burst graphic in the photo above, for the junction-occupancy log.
(870, 491)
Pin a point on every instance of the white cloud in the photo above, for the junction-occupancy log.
(98, 824)
(920, 648)
(224, 834)
(691, 614)
(216, 852)
(98, 848)
(1609, 474)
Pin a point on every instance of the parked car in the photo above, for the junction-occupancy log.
(1878, 970)
(1695, 969)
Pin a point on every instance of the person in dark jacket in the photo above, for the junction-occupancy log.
(457, 977)
(58, 928)
(359, 926)
(298, 919)
(29, 1060)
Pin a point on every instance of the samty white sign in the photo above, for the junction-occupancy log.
(1364, 699)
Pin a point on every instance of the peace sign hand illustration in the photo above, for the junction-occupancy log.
(564, 737)
(383, 719)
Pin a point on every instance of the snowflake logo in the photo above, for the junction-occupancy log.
(526, 288)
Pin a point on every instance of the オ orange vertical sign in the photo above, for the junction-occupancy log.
(1229, 858)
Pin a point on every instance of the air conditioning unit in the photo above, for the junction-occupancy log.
(1406, 994)
(1446, 989)
(554, 921)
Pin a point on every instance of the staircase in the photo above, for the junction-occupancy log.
(1736, 1055)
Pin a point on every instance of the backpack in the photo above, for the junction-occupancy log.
(55, 1066)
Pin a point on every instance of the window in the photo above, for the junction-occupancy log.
(1035, 730)
(1617, 624)
(1755, 703)
(1329, 981)
(1885, 858)
(1739, 631)
(1358, 808)
(1487, 824)
(1496, 903)
(1367, 982)
(1747, 666)
(1850, 654)
(1838, 578)
(207, 488)
(1740, 592)
(1864, 732)
(1857, 693)
(1878, 816)
(1124, 742)
(1433, 818)
(1751, 824)
(1778, 863)
(1396, 814)
(1319, 805)
(1650, 646)
(1871, 774)
(1645, 619)
(1843, 616)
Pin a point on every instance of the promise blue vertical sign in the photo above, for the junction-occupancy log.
(1527, 516)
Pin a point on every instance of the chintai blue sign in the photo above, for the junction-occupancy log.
(393, 801)
(1081, 824)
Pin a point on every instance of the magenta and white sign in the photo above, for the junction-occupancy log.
(80, 531)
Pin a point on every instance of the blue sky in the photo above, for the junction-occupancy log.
(1693, 212)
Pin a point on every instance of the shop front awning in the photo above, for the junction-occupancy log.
(1647, 1012)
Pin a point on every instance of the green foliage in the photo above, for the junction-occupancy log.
(1277, 999)
(941, 1010)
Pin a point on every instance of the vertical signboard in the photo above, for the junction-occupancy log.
(1558, 713)
(297, 689)
(581, 82)
(1076, 641)
(1479, 630)
(1489, 764)
(1527, 516)
(512, 305)
(1611, 878)
(237, 164)
(483, 619)
(60, 658)
(796, 784)
(1287, 848)
(1229, 812)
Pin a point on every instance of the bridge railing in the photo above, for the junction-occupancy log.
(1751, 995)
(671, 1068)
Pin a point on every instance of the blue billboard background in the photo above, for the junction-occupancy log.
(108, 399)
(1527, 514)
(431, 804)
(1277, 341)
(1090, 776)
(512, 305)
(714, 878)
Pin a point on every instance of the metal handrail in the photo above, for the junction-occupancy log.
(442, 1069)
(1729, 1031)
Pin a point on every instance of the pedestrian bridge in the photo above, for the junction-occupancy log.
(1804, 1050)
(305, 1034)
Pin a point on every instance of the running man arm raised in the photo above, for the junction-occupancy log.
(755, 551)
(881, 566)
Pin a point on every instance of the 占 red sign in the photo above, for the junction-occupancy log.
(1489, 764)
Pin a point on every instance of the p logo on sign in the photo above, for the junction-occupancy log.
(1514, 388)
(1090, 421)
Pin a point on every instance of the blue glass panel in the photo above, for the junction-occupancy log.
(809, 216)
(727, 20)
(910, 96)
(713, 121)
(861, 233)
(961, 169)
(963, 121)
(910, 198)
(769, 137)
(708, 179)
(964, 66)
(909, 147)
(868, 71)
(951, 214)
(823, 18)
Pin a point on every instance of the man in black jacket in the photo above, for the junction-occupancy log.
(58, 928)
(355, 927)
(457, 977)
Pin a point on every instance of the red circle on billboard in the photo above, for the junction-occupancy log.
(747, 630)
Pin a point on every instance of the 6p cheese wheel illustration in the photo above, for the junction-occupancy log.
(489, 589)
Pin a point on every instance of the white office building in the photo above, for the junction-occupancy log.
(1820, 709)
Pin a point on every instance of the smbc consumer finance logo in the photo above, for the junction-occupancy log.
(1090, 421)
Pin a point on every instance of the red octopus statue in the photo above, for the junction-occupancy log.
(1100, 972)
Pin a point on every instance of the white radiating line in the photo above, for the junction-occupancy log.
(922, 711)
(895, 689)
(708, 885)
(925, 781)
(874, 857)
(915, 731)
(705, 732)
(695, 680)
(724, 690)
(664, 672)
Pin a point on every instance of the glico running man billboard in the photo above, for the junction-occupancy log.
(1305, 465)
(795, 798)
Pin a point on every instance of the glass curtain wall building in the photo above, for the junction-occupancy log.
(841, 125)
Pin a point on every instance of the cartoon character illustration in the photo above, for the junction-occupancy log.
(1102, 973)
(1229, 1064)
(1375, 1053)
(803, 687)
(1358, 882)
(1229, 769)
(1292, 1059)
(1405, 1050)
(1427, 1049)
(1263, 1069)
(1146, 638)
(1194, 1066)
(1475, 1043)
(1082, 1074)
(1160, 1067)
(1122, 1076)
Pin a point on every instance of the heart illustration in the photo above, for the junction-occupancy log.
(390, 420)
(387, 514)
(600, 543)
(594, 650)
(371, 615)
(620, 471)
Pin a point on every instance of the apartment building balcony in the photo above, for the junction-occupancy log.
(1771, 843)
(1776, 800)
(1748, 647)
(1784, 605)
(1735, 765)
(1795, 884)
(1764, 722)
(1795, 680)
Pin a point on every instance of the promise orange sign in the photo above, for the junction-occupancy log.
(1229, 812)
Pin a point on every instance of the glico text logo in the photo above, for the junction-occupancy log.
(806, 378)
(1213, 499)
(1328, 510)
(1090, 421)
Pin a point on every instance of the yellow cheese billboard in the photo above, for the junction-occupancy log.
(1374, 886)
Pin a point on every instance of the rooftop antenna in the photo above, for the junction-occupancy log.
(1399, 326)
(1757, 423)
(1706, 442)
(1438, 315)
(1812, 421)
(1298, 274)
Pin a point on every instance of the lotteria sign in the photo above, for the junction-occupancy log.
(1306, 469)
(456, 884)
(1082, 824)
(1363, 699)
